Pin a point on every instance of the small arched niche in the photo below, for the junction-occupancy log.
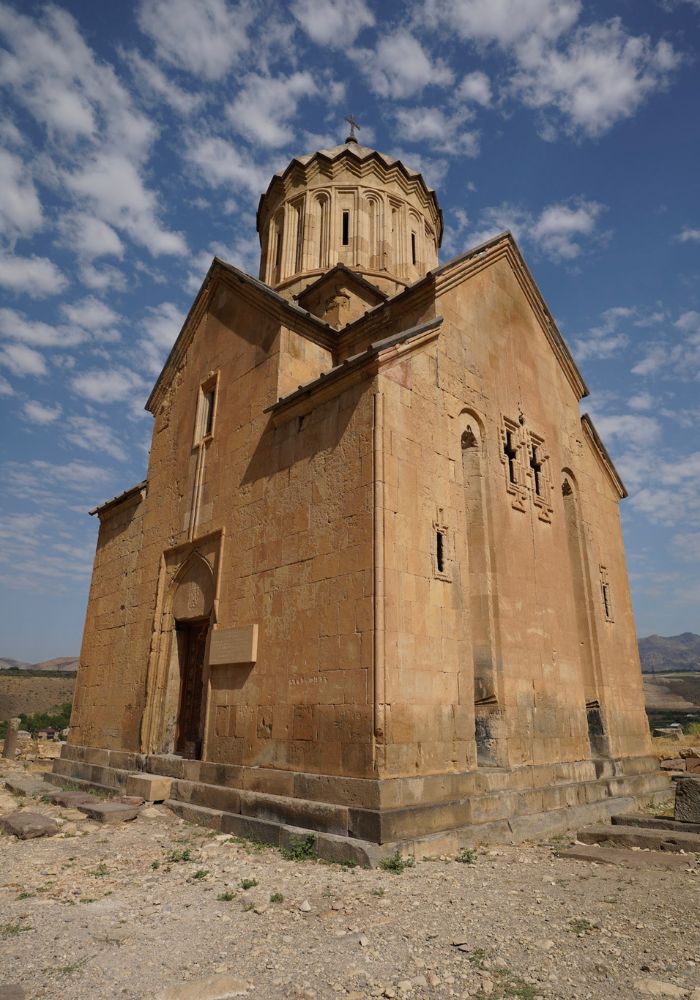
(193, 598)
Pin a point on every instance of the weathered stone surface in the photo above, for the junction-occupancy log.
(151, 787)
(673, 764)
(692, 765)
(687, 807)
(635, 836)
(12, 991)
(658, 988)
(25, 784)
(220, 987)
(655, 822)
(71, 799)
(109, 812)
(27, 825)
(625, 857)
(9, 748)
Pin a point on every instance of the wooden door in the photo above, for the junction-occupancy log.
(192, 640)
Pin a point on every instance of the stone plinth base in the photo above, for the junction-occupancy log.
(364, 819)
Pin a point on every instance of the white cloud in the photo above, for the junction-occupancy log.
(631, 429)
(605, 339)
(89, 237)
(22, 360)
(75, 96)
(108, 385)
(265, 105)
(33, 276)
(102, 279)
(162, 324)
(333, 23)
(560, 227)
(205, 38)
(432, 127)
(641, 401)
(20, 208)
(584, 77)
(153, 80)
(560, 232)
(114, 188)
(90, 314)
(15, 326)
(399, 67)
(475, 87)
(221, 163)
(601, 76)
(679, 357)
(39, 413)
(688, 235)
(5, 387)
(94, 435)
(503, 22)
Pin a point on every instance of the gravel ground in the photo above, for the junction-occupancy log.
(130, 910)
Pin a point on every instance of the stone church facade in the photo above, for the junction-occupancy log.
(374, 586)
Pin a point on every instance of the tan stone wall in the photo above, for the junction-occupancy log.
(108, 700)
(294, 505)
(493, 360)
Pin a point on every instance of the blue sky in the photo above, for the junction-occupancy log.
(135, 140)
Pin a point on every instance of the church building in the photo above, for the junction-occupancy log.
(373, 589)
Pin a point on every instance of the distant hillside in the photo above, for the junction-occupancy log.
(666, 654)
(60, 664)
(29, 693)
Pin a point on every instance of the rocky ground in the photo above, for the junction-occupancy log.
(159, 908)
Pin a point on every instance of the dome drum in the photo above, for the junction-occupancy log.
(384, 223)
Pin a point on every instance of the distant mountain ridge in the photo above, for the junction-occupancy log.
(659, 655)
(665, 654)
(60, 664)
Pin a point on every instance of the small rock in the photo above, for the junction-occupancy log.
(28, 825)
(305, 906)
(364, 941)
(657, 988)
(211, 988)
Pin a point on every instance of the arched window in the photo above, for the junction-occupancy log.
(324, 226)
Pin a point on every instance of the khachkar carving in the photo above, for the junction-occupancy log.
(527, 467)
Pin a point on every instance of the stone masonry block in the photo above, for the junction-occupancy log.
(687, 808)
(151, 787)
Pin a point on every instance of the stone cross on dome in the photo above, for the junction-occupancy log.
(353, 125)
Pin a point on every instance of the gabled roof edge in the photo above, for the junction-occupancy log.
(259, 286)
(119, 498)
(603, 454)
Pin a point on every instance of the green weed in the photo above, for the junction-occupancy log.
(466, 856)
(300, 849)
(249, 883)
(396, 863)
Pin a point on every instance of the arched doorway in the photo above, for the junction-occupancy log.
(191, 611)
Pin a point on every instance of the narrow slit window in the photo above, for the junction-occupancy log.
(606, 595)
(205, 412)
(208, 415)
(413, 248)
(536, 466)
(440, 551)
(606, 600)
(346, 229)
(278, 255)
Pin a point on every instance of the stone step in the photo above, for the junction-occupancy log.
(655, 822)
(90, 786)
(635, 836)
(26, 784)
(326, 846)
(627, 858)
(109, 812)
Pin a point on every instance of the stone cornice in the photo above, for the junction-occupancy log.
(602, 455)
(133, 493)
(354, 369)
